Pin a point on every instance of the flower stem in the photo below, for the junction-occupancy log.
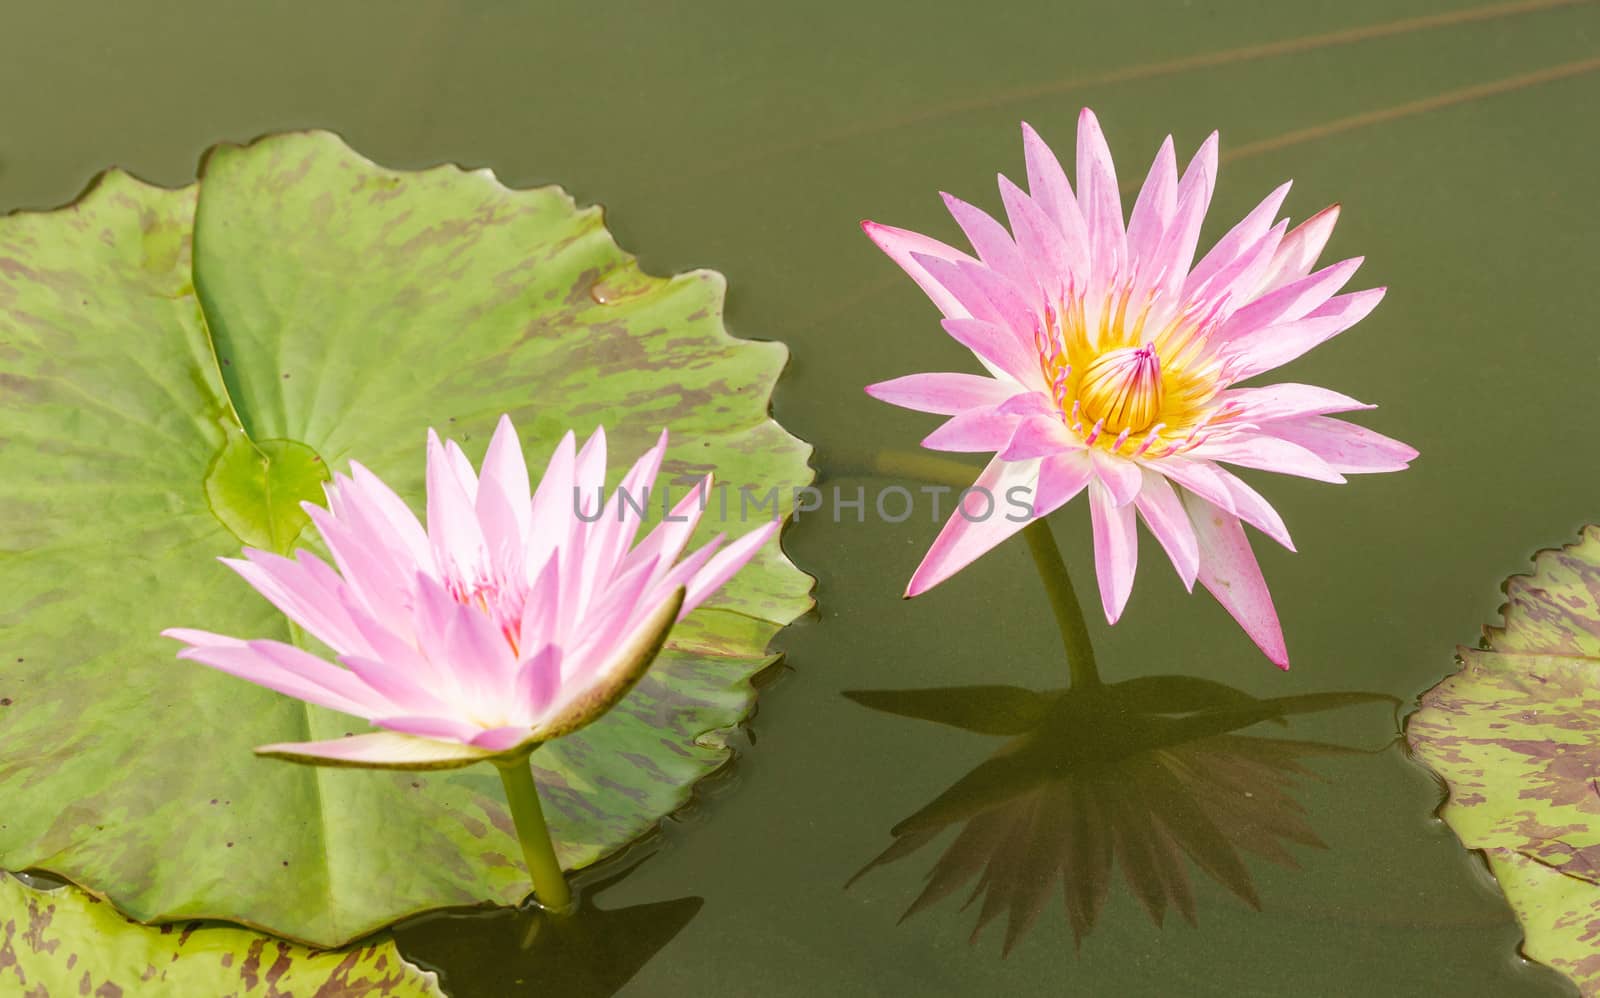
(1064, 601)
(549, 884)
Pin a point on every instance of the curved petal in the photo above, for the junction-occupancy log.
(393, 682)
(1049, 189)
(1047, 253)
(578, 704)
(1251, 507)
(282, 668)
(1287, 400)
(1274, 346)
(310, 598)
(903, 247)
(1101, 203)
(974, 431)
(999, 347)
(1170, 263)
(452, 519)
(1298, 252)
(978, 524)
(664, 543)
(1154, 210)
(1346, 447)
(1041, 436)
(1254, 449)
(1163, 513)
(1245, 235)
(552, 514)
(504, 739)
(1292, 301)
(725, 563)
(378, 750)
(1228, 569)
(989, 238)
(943, 393)
(1120, 476)
(502, 505)
(386, 509)
(1061, 477)
(538, 682)
(1116, 548)
(447, 729)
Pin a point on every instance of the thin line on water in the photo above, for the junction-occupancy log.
(1477, 91)
(1310, 133)
(1151, 70)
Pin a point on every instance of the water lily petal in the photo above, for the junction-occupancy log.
(1120, 476)
(989, 238)
(1275, 346)
(726, 562)
(1101, 202)
(1287, 400)
(1243, 237)
(1293, 300)
(977, 525)
(1268, 453)
(452, 520)
(943, 393)
(974, 431)
(502, 505)
(1061, 477)
(538, 682)
(1116, 548)
(447, 729)
(1153, 211)
(1163, 512)
(503, 739)
(310, 598)
(999, 348)
(1298, 252)
(1228, 569)
(904, 247)
(1041, 436)
(378, 750)
(577, 705)
(1346, 447)
(1047, 253)
(1049, 189)
(281, 667)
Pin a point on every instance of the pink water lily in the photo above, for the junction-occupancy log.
(1113, 365)
(506, 622)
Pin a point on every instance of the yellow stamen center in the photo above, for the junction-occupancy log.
(1122, 388)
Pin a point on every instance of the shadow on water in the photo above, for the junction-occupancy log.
(590, 953)
(1133, 776)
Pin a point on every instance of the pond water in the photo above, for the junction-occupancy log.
(1458, 138)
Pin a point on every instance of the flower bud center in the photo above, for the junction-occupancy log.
(1122, 388)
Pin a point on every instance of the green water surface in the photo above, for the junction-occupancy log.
(751, 138)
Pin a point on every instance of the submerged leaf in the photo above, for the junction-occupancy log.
(1516, 736)
(178, 366)
(65, 942)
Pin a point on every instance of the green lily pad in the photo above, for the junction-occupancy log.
(66, 942)
(175, 366)
(1516, 736)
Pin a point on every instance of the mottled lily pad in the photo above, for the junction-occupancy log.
(1516, 736)
(65, 942)
(174, 365)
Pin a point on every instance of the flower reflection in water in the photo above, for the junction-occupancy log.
(1133, 776)
(591, 952)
